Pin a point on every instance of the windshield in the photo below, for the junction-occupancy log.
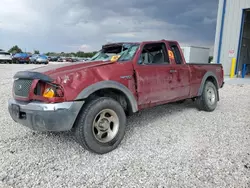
(126, 52)
(129, 53)
(101, 56)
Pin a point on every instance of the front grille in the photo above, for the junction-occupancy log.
(22, 87)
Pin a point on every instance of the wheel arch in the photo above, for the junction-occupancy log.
(111, 86)
(209, 76)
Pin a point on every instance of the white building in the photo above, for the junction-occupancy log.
(232, 34)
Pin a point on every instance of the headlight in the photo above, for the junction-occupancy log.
(49, 93)
(48, 90)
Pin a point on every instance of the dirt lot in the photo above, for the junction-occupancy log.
(171, 146)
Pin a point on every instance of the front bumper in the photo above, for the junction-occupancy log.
(45, 117)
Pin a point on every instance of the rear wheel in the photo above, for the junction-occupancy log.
(101, 125)
(209, 97)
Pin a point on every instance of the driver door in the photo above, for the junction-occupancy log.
(154, 75)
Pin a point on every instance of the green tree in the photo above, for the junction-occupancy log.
(36, 52)
(72, 54)
(80, 54)
(51, 54)
(15, 49)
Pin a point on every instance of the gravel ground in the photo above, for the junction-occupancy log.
(167, 146)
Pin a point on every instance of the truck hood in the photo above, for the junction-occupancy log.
(54, 71)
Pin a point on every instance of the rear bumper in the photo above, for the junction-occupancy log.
(45, 117)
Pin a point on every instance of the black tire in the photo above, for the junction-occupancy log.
(84, 128)
(205, 101)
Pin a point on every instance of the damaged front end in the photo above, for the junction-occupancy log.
(39, 103)
(30, 86)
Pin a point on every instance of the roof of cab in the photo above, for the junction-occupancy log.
(122, 43)
(118, 44)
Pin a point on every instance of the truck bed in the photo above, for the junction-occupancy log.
(212, 64)
(198, 71)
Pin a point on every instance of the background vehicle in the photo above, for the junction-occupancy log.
(42, 59)
(53, 58)
(93, 98)
(69, 59)
(5, 57)
(61, 59)
(33, 58)
(81, 59)
(21, 58)
(75, 59)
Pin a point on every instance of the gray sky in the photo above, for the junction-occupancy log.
(72, 25)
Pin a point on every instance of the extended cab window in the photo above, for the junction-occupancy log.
(154, 53)
(177, 54)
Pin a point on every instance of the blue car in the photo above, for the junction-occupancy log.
(21, 58)
(42, 59)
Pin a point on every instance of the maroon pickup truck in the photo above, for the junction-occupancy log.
(93, 98)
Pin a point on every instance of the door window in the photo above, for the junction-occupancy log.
(177, 54)
(153, 54)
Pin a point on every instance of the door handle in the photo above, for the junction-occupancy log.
(172, 71)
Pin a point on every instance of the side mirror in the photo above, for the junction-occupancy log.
(114, 58)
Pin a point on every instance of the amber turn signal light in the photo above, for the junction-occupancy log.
(49, 93)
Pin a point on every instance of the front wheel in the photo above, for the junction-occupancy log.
(209, 97)
(101, 125)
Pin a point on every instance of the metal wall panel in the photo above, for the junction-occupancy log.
(231, 31)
